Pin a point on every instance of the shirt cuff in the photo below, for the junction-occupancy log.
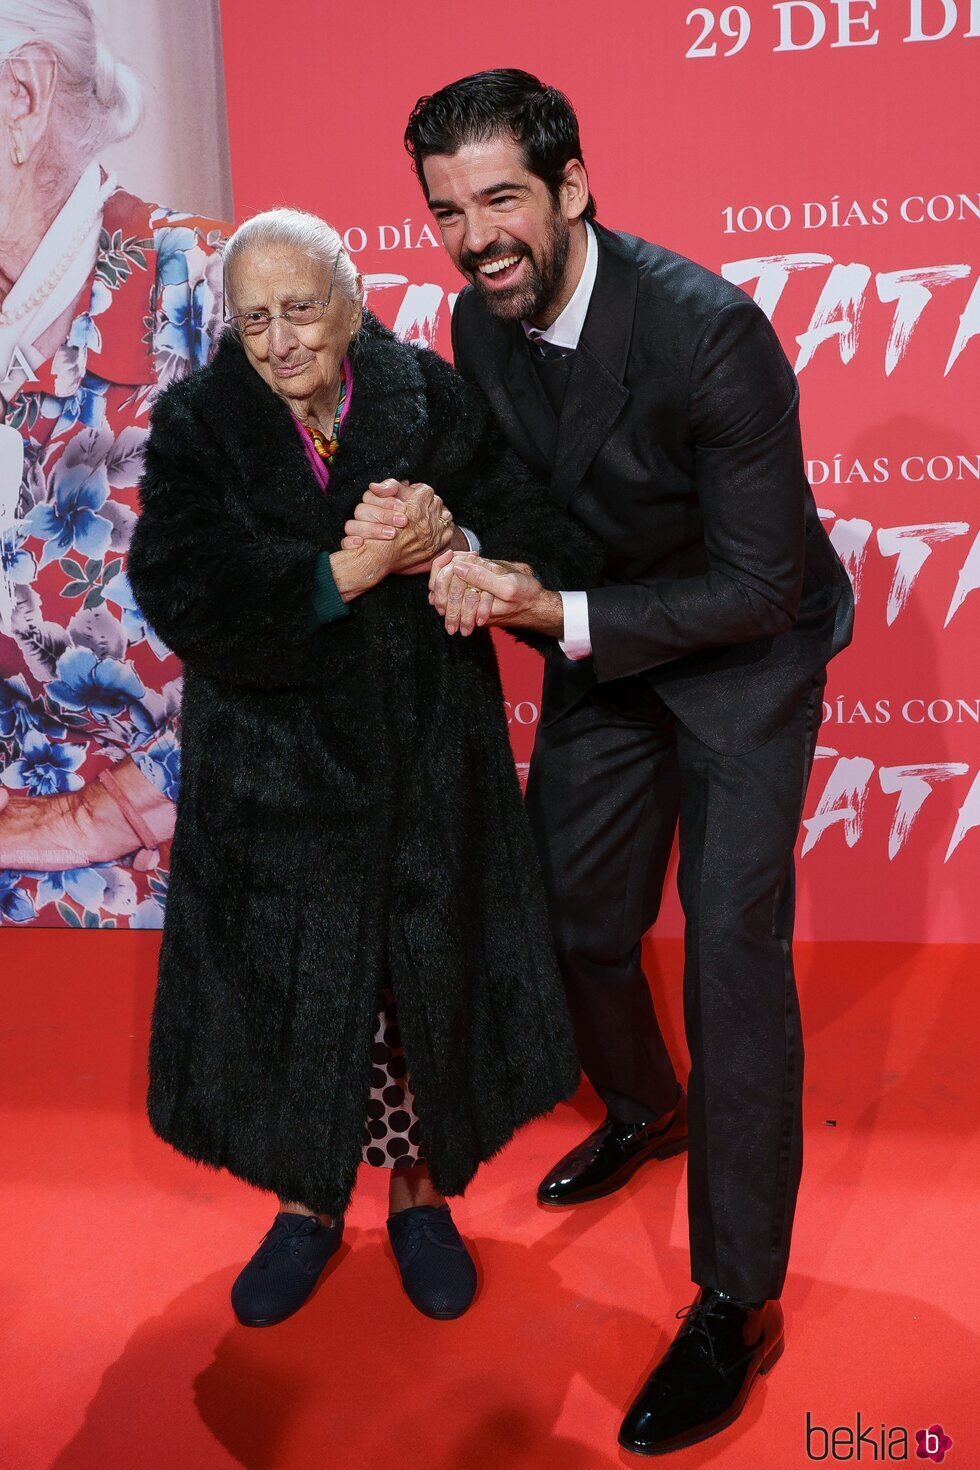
(327, 601)
(472, 539)
(577, 642)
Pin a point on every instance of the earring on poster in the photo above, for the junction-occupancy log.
(18, 152)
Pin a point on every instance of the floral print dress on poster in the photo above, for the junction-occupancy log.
(84, 682)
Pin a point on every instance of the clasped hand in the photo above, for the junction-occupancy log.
(404, 526)
(470, 591)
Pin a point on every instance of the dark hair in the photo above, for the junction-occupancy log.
(540, 119)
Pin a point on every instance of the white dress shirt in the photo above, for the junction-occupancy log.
(565, 331)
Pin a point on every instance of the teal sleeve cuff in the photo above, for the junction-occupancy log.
(327, 601)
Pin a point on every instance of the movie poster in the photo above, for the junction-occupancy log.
(111, 218)
(803, 149)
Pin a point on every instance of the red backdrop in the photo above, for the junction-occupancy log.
(819, 153)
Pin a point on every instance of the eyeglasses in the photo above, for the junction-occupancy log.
(300, 314)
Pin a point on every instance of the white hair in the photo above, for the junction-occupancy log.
(98, 100)
(298, 230)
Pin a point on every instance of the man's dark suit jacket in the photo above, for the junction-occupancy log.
(679, 447)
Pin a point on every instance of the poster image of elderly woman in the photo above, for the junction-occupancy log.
(104, 300)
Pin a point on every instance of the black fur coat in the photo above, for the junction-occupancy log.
(349, 814)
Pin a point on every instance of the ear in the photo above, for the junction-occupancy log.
(33, 79)
(357, 315)
(574, 190)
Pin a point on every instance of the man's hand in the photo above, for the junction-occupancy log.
(470, 591)
(413, 515)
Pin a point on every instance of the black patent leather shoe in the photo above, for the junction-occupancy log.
(701, 1384)
(280, 1277)
(611, 1155)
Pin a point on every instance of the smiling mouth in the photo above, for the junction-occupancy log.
(287, 369)
(500, 271)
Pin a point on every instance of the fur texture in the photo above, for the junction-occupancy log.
(349, 811)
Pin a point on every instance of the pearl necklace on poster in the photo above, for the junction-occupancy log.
(70, 250)
(43, 290)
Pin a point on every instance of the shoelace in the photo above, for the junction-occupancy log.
(699, 1312)
(697, 1315)
(438, 1230)
(282, 1236)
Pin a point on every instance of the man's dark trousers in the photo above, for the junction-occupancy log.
(675, 438)
(605, 792)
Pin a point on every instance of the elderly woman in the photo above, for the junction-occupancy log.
(103, 299)
(350, 833)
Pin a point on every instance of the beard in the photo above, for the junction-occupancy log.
(542, 280)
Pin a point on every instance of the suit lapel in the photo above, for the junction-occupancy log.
(503, 369)
(596, 395)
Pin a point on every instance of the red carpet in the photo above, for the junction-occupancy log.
(119, 1352)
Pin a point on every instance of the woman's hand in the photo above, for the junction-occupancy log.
(413, 517)
(358, 569)
(118, 813)
(429, 531)
(463, 608)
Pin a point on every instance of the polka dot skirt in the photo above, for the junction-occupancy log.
(392, 1133)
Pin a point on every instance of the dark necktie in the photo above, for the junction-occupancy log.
(549, 351)
(553, 367)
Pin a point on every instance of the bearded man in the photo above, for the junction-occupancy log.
(685, 691)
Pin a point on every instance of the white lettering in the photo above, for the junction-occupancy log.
(968, 581)
(969, 326)
(917, 31)
(818, 25)
(912, 546)
(909, 289)
(837, 313)
(967, 818)
(843, 801)
(20, 364)
(770, 273)
(418, 315)
(846, 23)
(912, 785)
(849, 539)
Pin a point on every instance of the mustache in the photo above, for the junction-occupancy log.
(472, 262)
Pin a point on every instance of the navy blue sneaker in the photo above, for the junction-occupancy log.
(437, 1270)
(281, 1275)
